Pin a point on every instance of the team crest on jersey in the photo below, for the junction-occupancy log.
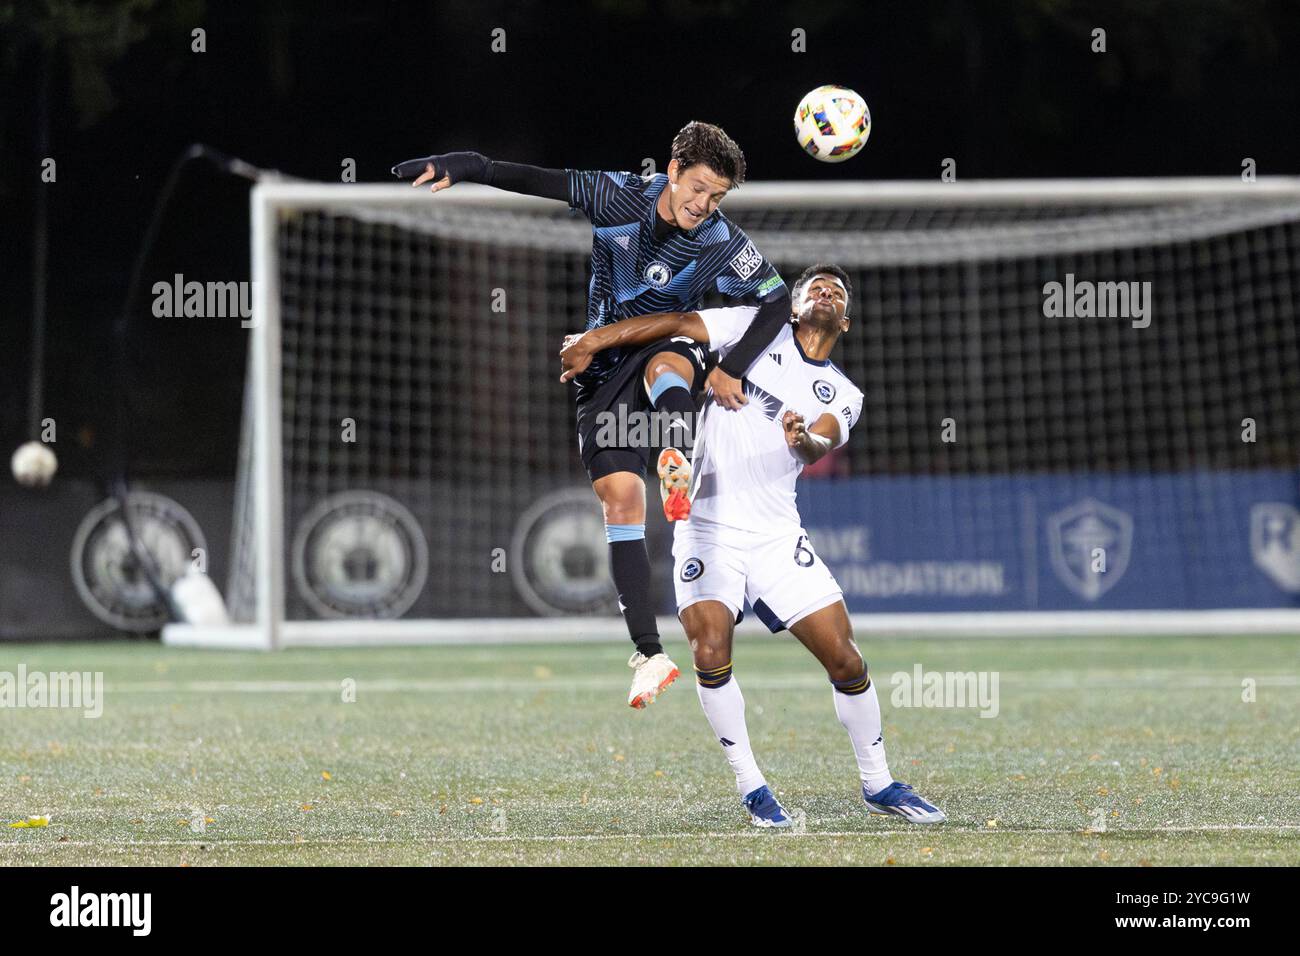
(692, 569)
(824, 391)
(747, 262)
(657, 274)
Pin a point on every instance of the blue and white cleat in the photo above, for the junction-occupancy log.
(764, 810)
(901, 800)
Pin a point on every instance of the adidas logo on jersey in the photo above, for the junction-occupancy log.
(775, 357)
(621, 240)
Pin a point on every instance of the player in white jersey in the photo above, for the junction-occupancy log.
(745, 540)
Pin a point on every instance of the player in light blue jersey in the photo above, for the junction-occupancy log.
(659, 244)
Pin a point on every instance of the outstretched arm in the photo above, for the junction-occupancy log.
(447, 169)
(577, 352)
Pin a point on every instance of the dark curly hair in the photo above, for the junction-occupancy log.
(708, 145)
(827, 269)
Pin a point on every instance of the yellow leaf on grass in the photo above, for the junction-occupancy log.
(325, 775)
(305, 807)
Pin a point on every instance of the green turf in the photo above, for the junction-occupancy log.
(528, 754)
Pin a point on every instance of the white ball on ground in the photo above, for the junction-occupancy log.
(34, 464)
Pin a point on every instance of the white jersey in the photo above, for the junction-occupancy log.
(746, 471)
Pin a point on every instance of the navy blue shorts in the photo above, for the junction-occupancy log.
(603, 445)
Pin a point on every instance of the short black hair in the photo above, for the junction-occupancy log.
(706, 144)
(827, 269)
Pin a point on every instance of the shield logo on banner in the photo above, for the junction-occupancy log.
(1275, 543)
(1074, 533)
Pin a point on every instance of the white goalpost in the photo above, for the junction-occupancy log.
(383, 316)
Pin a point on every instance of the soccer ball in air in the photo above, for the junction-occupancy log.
(832, 123)
(34, 464)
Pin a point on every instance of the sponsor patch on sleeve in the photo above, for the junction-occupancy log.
(747, 261)
(768, 285)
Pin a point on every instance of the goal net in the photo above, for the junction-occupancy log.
(1082, 410)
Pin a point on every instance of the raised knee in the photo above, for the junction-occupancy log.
(665, 363)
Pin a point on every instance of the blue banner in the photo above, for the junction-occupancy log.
(1059, 542)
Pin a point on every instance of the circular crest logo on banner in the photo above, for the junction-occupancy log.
(107, 571)
(559, 559)
(360, 554)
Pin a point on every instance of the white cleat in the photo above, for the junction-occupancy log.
(653, 675)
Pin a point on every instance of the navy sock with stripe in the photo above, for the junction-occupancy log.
(672, 395)
(629, 565)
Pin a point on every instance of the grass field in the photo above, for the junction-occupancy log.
(527, 754)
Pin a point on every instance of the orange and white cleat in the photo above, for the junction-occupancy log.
(675, 484)
(653, 675)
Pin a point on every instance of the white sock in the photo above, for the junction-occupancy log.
(724, 706)
(860, 715)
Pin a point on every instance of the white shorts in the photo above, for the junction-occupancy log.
(781, 575)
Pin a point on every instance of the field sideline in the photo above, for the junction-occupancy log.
(527, 754)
